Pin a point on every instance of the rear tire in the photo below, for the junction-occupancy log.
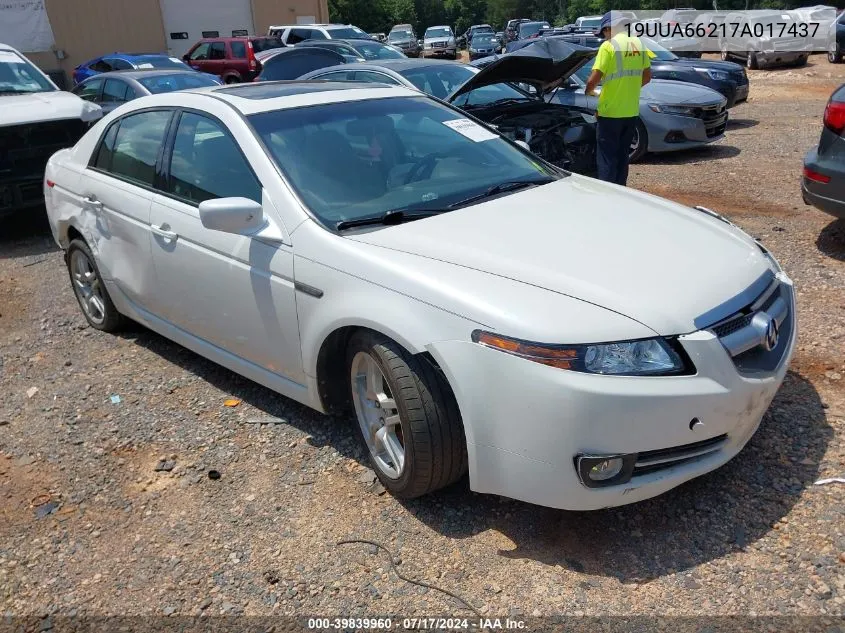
(751, 61)
(723, 53)
(834, 55)
(90, 291)
(407, 417)
(801, 61)
(641, 140)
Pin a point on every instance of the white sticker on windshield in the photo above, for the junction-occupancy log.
(176, 60)
(145, 65)
(470, 129)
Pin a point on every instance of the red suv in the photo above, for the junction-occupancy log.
(230, 58)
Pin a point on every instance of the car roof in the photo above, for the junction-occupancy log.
(265, 96)
(141, 74)
(399, 65)
(439, 26)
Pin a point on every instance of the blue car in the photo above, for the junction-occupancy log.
(126, 61)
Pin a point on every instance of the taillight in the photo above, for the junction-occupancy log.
(250, 55)
(834, 116)
(815, 176)
(50, 183)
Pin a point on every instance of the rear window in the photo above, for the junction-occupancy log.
(158, 61)
(177, 81)
(238, 50)
(266, 44)
(348, 33)
(531, 28)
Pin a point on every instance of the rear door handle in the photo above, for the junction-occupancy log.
(161, 231)
(91, 201)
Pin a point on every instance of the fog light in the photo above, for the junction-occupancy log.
(606, 469)
(596, 471)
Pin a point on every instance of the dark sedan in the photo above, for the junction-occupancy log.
(727, 78)
(823, 182)
(110, 90)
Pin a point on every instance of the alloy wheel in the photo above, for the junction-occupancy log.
(378, 415)
(88, 287)
(635, 143)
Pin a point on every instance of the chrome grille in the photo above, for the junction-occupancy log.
(651, 461)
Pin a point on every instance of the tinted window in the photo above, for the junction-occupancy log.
(120, 64)
(101, 66)
(105, 151)
(363, 158)
(217, 51)
(346, 33)
(298, 35)
(438, 32)
(207, 163)
(266, 43)
(89, 90)
(114, 91)
(136, 148)
(201, 52)
(295, 63)
(336, 76)
(238, 50)
(177, 81)
(380, 78)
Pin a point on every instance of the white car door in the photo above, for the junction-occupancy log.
(232, 291)
(116, 192)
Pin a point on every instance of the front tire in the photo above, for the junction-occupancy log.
(639, 145)
(90, 291)
(834, 55)
(724, 53)
(751, 61)
(407, 417)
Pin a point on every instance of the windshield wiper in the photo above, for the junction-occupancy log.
(389, 218)
(502, 187)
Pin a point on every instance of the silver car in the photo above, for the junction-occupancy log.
(674, 115)
(439, 41)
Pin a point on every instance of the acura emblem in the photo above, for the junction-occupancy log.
(772, 335)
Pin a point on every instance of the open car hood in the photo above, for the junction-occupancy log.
(544, 63)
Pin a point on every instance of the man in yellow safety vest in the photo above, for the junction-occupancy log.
(623, 67)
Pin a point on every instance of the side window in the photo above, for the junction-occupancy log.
(120, 64)
(217, 51)
(336, 76)
(298, 35)
(90, 90)
(137, 145)
(114, 91)
(207, 163)
(374, 77)
(101, 66)
(105, 151)
(238, 50)
(317, 34)
(201, 52)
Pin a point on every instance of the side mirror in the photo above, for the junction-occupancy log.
(91, 112)
(523, 145)
(186, 58)
(240, 216)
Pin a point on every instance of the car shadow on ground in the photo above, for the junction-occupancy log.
(741, 124)
(26, 234)
(693, 155)
(738, 503)
(831, 240)
(702, 520)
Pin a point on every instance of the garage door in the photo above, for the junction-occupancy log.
(186, 22)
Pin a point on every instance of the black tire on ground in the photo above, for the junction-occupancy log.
(751, 61)
(723, 53)
(642, 135)
(112, 319)
(834, 54)
(231, 79)
(431, 426)
(801, 61)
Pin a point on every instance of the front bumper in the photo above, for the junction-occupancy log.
(777, 58)
(448, 52)
(671, 132)
(19, 195)
(481, 54)
(525, 423)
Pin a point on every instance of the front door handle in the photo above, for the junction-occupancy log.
(162, 231)
(91, 201)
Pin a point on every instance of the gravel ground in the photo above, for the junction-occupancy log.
(106, 506)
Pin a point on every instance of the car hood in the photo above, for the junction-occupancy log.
(43, 106)
(647, 258)
(683, 63)
(543, 63)
(679, 92)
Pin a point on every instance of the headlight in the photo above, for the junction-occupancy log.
(671, 109)
(715, 75)
(647, 357)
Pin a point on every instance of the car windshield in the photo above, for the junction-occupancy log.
(266, 44)
(399, 36)
(376, 50)
(439, 80)
(18, 75)
(659, 52)
(177, 81)
(484, 39)
(591, 23)
(363, 159)
(348, 33)
(531, 28)
(438, 32)
(771, 19)
(158, 61)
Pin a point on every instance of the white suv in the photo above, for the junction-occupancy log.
(295, 33)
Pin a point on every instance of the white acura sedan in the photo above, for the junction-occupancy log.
(370, 250)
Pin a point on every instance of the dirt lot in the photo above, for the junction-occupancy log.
(88, 526)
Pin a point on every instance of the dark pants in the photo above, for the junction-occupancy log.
(613, 137)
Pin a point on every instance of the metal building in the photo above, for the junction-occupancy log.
(58, 35)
